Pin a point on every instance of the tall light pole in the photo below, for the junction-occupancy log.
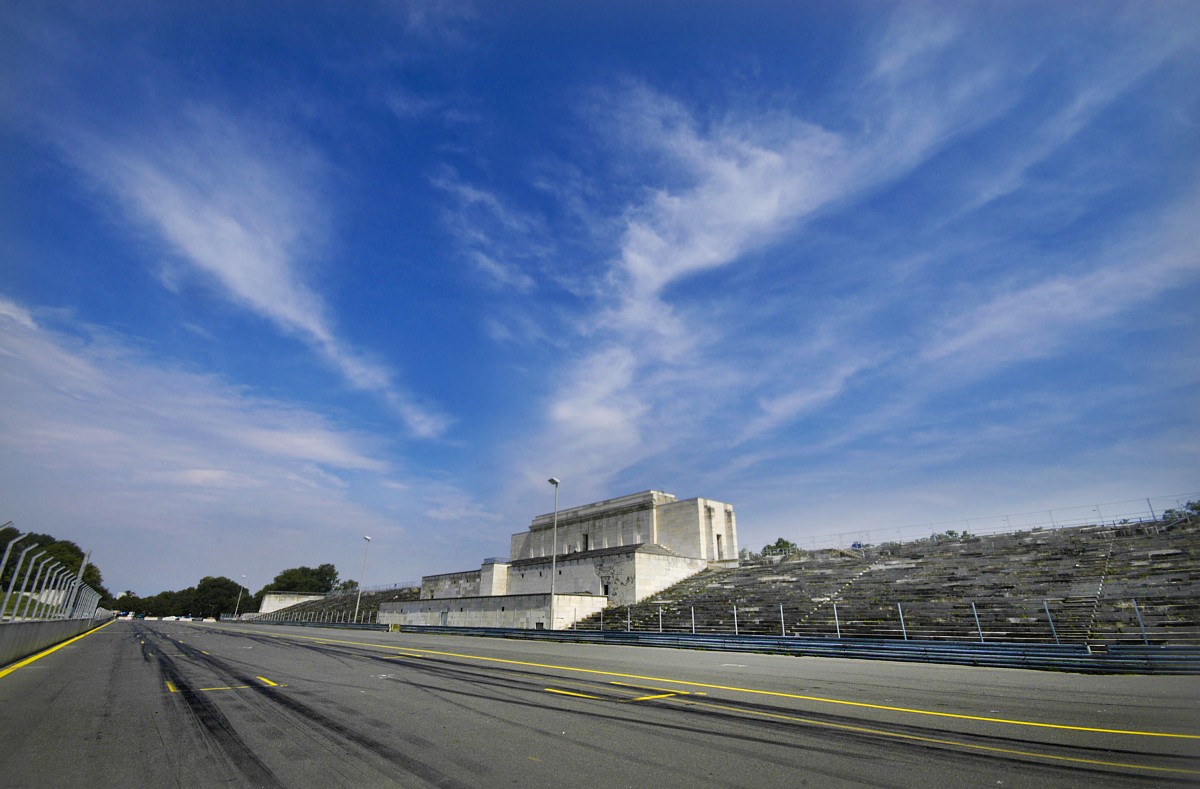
(238, 604)
(362, 577)
(554, 553)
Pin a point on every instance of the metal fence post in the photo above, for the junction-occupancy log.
(693, 620)
(8, 550)
(628, 620)
(735, 622)
(601, 620)
(33, 590)
(903, 629)
(64, 606)
(837, 622)
(13, 581)
(782, 622)
(1141, 624)
(660, 619)
(977, 625)
(42, 609)
(47, 609)
(1050, 619)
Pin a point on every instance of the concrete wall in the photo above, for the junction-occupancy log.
(623, 576)
(21, 639)
(701, 528)
(464, 584)
(698, 527)
(612, 523)
(606, 574)
(517, 611)
(273, 601)
(493, 578)
(655, 573)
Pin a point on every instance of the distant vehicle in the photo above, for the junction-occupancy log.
(169, 618)
(139, 615)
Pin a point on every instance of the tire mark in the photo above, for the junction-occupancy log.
(314, 717)
(214, 722)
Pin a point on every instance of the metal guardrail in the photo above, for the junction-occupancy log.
(1125, 659)
(49, 590)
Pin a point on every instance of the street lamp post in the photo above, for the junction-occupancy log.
(362, 578)
(238, 604)
(554, 552)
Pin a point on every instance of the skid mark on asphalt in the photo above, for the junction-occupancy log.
(213, 723)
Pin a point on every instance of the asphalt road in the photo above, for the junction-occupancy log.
(185, 704)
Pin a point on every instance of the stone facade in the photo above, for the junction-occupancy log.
(700, 528)
(464, 584)
(273, 601)
(612, 552)
(527, 611)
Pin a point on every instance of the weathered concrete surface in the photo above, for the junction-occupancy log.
(22, 639)
(521, 610)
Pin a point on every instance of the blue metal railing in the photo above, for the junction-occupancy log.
(1124, 659)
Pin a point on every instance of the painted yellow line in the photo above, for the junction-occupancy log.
(268, 682)
(658, 690)
(171, 687)
(4, 672)
(228, 687)
(772, 693)
(656, 696)
(939, 741)
(569, 693)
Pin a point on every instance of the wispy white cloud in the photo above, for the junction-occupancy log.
(722, 190)
(100, 439)
(503, 243)
(1037, 320)
(93, 403)
(238, 202)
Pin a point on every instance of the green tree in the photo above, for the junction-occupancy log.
(65, 552)
(301, 580)
(216, 596)
(780, 547)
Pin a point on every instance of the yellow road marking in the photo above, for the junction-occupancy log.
(570, 693)
(656, 696)
(772, 693)
(938, 741)
(171, 687)
(658, 690)
(20, 664)
(268, 682)
(227, 687)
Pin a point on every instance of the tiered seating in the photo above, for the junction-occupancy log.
(340, 607)
(1087, 577)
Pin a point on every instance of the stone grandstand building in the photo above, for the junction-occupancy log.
(613, 552)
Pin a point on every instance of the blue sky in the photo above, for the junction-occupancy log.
(274, 276)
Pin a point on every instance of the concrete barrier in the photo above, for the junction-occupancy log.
(21, 639)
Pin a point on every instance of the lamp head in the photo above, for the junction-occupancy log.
(553, 481)
(368, 539)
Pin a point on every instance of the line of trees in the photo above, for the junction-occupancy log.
(65, 552)
(214, 596)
